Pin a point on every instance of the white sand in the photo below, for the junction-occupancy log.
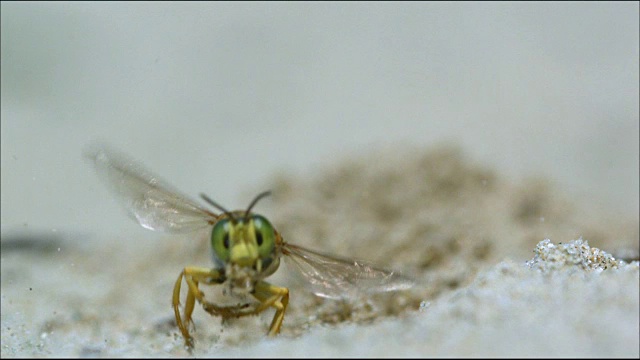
(464, 233)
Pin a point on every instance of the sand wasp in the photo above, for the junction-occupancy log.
(246, 248)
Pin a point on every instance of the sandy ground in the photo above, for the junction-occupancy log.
(487, 283)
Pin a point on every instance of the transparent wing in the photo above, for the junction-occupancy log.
(337, 278)
(149, 201)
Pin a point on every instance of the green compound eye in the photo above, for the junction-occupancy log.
(265, 235)
(220, 239)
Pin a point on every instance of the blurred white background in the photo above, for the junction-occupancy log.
(218, 97)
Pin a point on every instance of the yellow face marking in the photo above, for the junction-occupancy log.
(243, 245)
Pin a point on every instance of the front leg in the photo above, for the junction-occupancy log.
(267, 294)
(192, 276)
(270, 295)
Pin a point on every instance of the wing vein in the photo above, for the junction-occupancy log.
(154, 204)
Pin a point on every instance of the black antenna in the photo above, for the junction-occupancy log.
(218, 206)
(260, 196)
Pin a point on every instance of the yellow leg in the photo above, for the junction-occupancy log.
(267, 294)
(192, 276)
(270, 295)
